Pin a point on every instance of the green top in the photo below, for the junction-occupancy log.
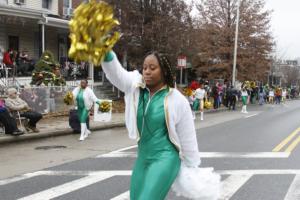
(151, 123)
(79, 99)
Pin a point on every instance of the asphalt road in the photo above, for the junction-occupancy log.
(257, 155)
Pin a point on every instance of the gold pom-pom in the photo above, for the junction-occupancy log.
(105, 106)
(69, 99)
(90, 32)
(208, 105)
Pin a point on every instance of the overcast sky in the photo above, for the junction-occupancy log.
(285, 26)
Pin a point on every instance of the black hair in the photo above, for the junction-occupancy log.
(166, 67)
(85, 81)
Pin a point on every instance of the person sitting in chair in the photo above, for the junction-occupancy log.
(15, 103)
(9, 123)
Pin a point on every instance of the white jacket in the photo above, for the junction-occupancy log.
(88, 97)
(179, 117)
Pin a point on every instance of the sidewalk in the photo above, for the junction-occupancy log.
(58, 126)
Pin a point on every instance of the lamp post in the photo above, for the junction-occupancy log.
(236, 42)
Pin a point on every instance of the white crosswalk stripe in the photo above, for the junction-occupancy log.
(235, 181)
(232, 184)
(294, 190)
(67, 187)
(123, 196)
(210, 155)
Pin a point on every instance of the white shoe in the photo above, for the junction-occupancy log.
(81, 138)
(201, 116)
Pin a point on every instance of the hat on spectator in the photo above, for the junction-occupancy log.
(11, 91)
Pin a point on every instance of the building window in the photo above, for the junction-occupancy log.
(67, 3)
(19, 2)
(13, 42)
(46, 4)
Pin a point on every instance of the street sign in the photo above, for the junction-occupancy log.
(181, 62)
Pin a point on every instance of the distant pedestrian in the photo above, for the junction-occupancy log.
(271, 96)
(244, 94)
(233, 96)
(200, 94)
(261, 95)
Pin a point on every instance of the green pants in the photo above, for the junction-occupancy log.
(153, 178)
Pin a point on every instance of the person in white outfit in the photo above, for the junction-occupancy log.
(84, 97)
(284, 94)
(271, 96)
(200, 94)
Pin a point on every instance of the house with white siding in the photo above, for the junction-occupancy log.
(34, 26)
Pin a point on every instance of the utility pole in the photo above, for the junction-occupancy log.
(236, 42)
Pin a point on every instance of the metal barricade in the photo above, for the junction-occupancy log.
(46, 99)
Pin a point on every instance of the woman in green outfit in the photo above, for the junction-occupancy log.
(160, 119)
(244, 95)
(85, 98)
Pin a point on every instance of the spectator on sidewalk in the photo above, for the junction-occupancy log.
(261, 95)
(278, 95)
(215, 95)
(15, 103)
(7, 59)
(232, 97)
(9, 123)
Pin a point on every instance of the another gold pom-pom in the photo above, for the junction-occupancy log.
(90, 32)
(69, 99)
(207, 105)
(105, 106)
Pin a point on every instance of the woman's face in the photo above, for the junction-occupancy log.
(83, 84)
(152, 72)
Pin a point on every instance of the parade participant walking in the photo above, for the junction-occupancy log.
(191, 99)
(160, 118)
(200, 94)
(85, 98)
(244, 95)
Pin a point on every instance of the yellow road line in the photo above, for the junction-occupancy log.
(293, 145)
(286, 140)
